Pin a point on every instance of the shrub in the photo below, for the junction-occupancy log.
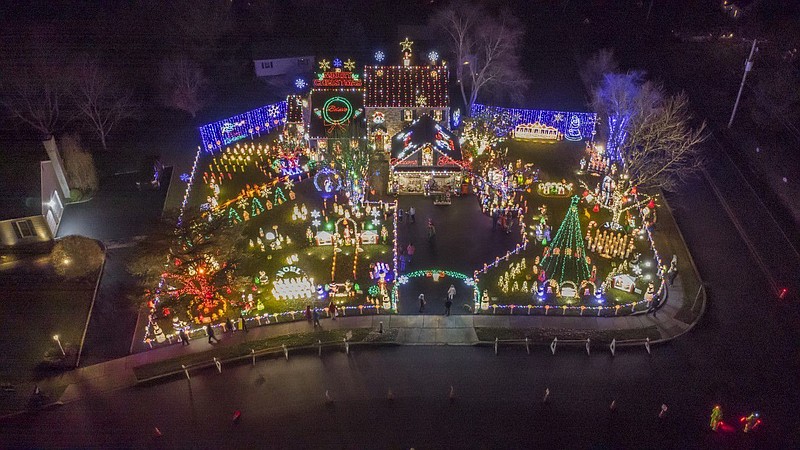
(79, 165)
(76, 256)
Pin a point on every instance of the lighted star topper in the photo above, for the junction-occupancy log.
(406, 45)
(324, 65)
(349, 65)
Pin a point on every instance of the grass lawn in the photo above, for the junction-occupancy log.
(547, 334)
(244, 349)
(38, 305)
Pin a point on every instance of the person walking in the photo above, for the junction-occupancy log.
(308, 313)
(332, 310)
(421, 303)
(184, 337)
(410, 251)
(673, 269)
(315, 316)
(447, 305)
(431, 231)
(654, 306)
(399, 215)
(210, 333)
(495, 218)
(243, 322)
(412, 218)
(451, 293)
(229, 328)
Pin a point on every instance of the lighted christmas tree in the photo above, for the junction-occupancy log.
(565, 258)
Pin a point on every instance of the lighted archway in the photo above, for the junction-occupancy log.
(436, 275)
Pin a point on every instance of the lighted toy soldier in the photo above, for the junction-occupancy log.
(751, 421)
(716, 418)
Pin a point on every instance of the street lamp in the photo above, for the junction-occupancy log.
(55, 338)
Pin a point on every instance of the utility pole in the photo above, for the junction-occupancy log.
(748, 65)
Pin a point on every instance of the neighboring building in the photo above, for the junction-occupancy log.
(36, 224)
(283, 66)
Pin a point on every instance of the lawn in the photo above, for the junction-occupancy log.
(511, 281)
(38, 305)
(307, 245)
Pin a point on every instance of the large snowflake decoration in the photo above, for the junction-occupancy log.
(273, 110)
(265, 191)
(315, 214)
(375, 213)
(376, 222)
(242, 202)
(316, 223)
(185, 177)
(300, 83)
(349, 65)
(324, 65)
(337, 63)
(288, 184)
(558, 117)
(433, 56)
(380, 56)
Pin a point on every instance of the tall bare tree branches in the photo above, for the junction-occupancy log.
(662, 149)
(36, 96)
(98, 99)
(486, 49)
(596, 67)
(184, 85)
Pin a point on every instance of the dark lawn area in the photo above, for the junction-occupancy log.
(36, 306)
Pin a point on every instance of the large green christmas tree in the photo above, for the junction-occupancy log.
(565, 258)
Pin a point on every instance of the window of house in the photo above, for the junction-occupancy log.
(24, 228)
(437, 115)
(408, 115)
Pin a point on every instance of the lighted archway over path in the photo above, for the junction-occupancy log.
(445, 277)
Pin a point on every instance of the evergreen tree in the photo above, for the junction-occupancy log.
(565, 258)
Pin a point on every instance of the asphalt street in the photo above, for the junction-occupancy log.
(740, 356)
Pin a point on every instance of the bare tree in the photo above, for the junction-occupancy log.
(620, 98)
(184, 85)
(99, 100)
(662, 149)
(486, 49)
(596, 67)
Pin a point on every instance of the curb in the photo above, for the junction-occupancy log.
(94, 299)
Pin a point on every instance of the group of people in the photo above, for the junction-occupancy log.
(451, 293)
(313, 314)
(410, 215)
(504, 219)
(405, 256)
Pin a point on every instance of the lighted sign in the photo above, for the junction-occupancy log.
(338, 79)
(337, 110)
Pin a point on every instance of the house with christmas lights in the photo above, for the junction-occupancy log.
(425, 159)
(396, 96)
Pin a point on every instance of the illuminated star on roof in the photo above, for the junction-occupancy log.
(325, 65)
(349, 65)
(406, 45)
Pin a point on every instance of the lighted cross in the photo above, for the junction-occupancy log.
(349, 65)
(325, 65)
(406, 45)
